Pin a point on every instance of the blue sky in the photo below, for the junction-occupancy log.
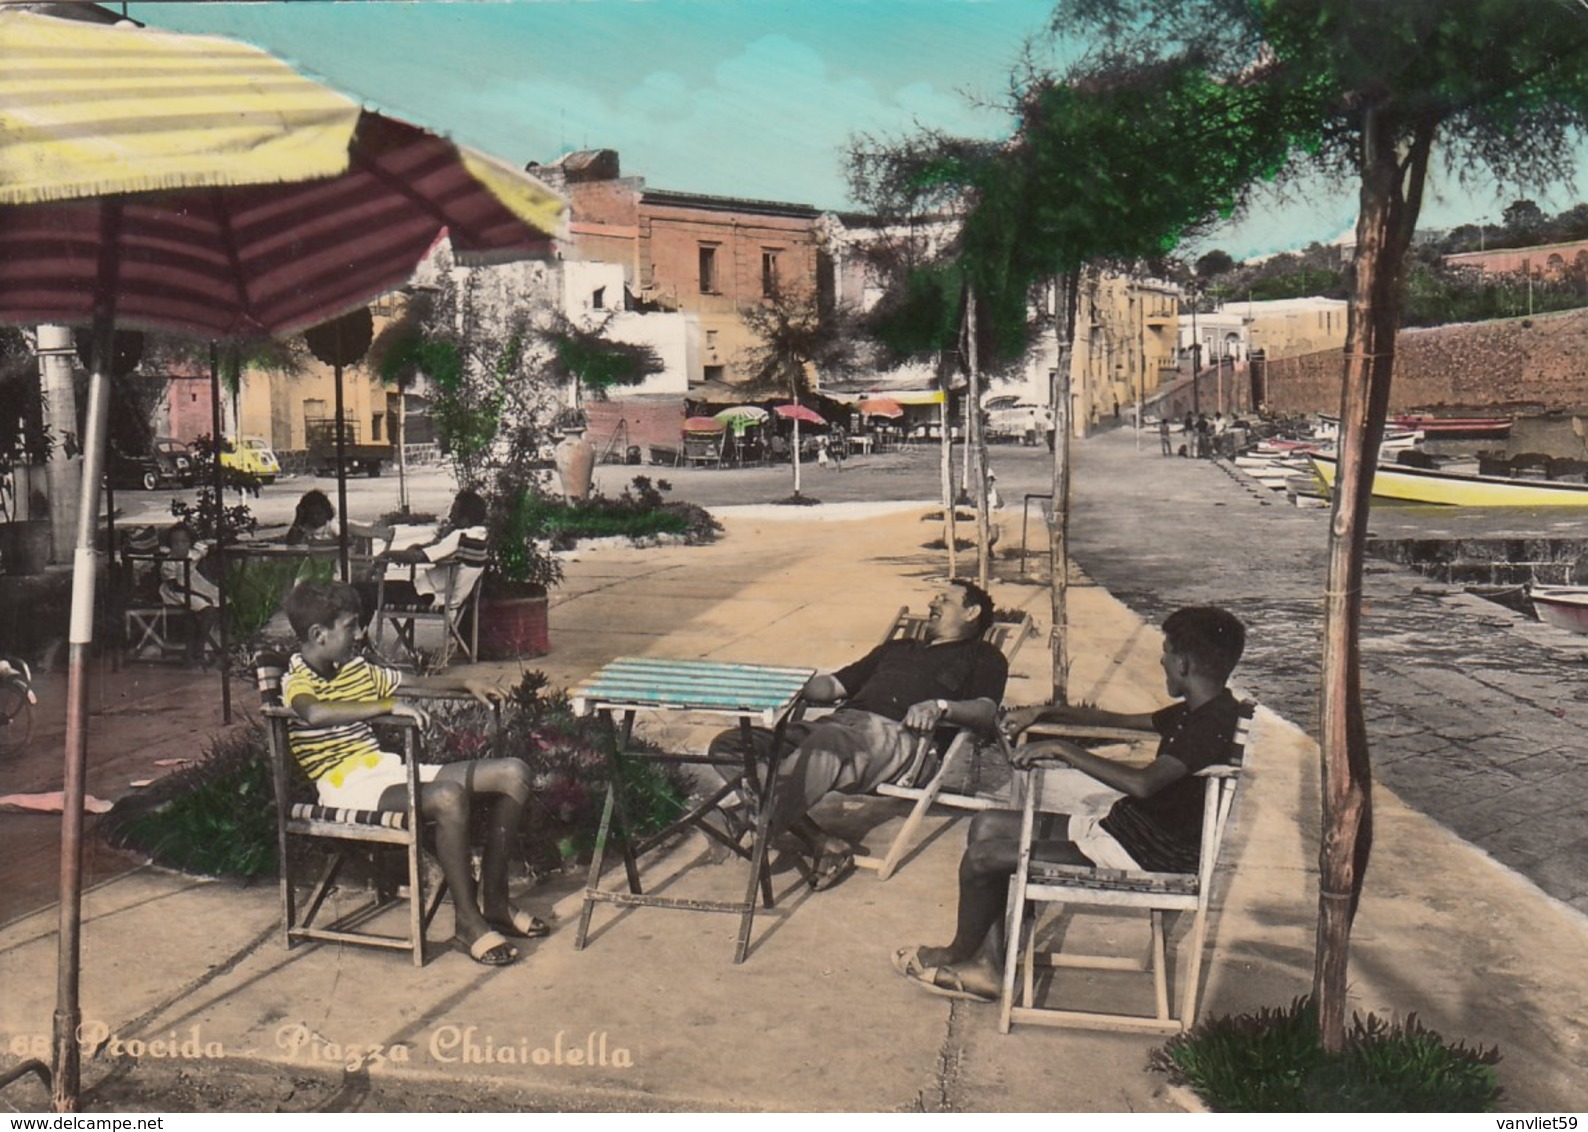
(754, 98)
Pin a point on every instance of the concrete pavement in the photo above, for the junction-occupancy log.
(816, 1019)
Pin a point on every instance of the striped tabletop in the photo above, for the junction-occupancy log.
(714, 686)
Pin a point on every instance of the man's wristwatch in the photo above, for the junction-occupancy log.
(942, 708)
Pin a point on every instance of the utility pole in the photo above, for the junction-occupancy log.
(1196, 356)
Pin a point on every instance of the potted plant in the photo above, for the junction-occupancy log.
(492, 408)
(588, 362)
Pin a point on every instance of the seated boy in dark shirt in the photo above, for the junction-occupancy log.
(1110, 814)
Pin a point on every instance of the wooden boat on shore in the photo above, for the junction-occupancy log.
(1456, 428)
(1431, 485)
(1565, 607)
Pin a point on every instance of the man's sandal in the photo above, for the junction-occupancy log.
(945, 982)
(832, 866)
(490, 950)
(521, 924)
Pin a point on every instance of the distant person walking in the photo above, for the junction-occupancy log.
(1163, 437)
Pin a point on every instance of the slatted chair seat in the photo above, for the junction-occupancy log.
(314, 814)
(341, 829)
(1036, 883)
(935, 767)
(1113, 880)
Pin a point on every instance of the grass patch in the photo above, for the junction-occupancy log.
(1271, 1061)
(641, 511)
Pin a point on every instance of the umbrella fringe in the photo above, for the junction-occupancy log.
(22, 194)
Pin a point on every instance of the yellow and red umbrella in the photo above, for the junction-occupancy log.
(195, 184)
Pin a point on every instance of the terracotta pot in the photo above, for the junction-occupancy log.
(575, 459)
(513, 627)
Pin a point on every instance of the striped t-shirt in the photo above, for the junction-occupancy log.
(334, 749)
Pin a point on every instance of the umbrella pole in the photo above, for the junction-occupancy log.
(68, 1013)
(341, 463)
(220, 536)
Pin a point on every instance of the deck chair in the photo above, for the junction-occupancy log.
(1035, 883)
(344, 831)
(928, 778)
(456, 605)
(153, 630)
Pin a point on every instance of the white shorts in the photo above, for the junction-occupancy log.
(362, 786)
(1066, 790)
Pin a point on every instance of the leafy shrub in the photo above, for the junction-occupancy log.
(217, 818)
(642, 510)
(1272, 1061)
(568, 757)
(214, 818)
(256, 587)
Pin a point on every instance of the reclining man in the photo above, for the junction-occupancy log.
(897, 692)
(1099, 812)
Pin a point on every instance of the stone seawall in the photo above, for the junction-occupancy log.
(1517, 363)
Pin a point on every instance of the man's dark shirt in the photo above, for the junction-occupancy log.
(896, 675)
(1163, 833)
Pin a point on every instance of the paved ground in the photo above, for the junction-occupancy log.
(816, 1018)
(1474, 713)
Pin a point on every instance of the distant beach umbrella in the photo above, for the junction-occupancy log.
(880, 407)
(796, 412)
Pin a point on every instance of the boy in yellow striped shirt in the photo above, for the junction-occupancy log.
(335, 693)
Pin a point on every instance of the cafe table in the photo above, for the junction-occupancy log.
(754, 694)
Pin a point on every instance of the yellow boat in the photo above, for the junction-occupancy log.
(1427, 485)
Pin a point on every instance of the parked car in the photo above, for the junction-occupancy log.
(167, 464)
(176, 459)
(251, 456)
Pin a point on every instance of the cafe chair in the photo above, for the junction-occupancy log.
(153, 630)
(455, 605)
(1037, 883)
(341, 833)
(946, 769)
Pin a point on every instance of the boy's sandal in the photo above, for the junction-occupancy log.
(521, 924)
(490, 950)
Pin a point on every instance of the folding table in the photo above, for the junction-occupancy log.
(752, 694)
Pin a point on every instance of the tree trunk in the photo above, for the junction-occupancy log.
(402, 448)
(950, 534)
(1390, 201)
(974, 452)
(1059, 510)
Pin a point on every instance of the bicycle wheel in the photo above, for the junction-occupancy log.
(16, 716)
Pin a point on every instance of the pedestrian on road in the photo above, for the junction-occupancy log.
(1163, 437)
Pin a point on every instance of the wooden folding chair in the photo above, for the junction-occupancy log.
(153, 630)
(1036, 883)
(343, 831)
(928, 776)
(455, 605)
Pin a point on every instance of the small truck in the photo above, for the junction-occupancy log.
(320, 435)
